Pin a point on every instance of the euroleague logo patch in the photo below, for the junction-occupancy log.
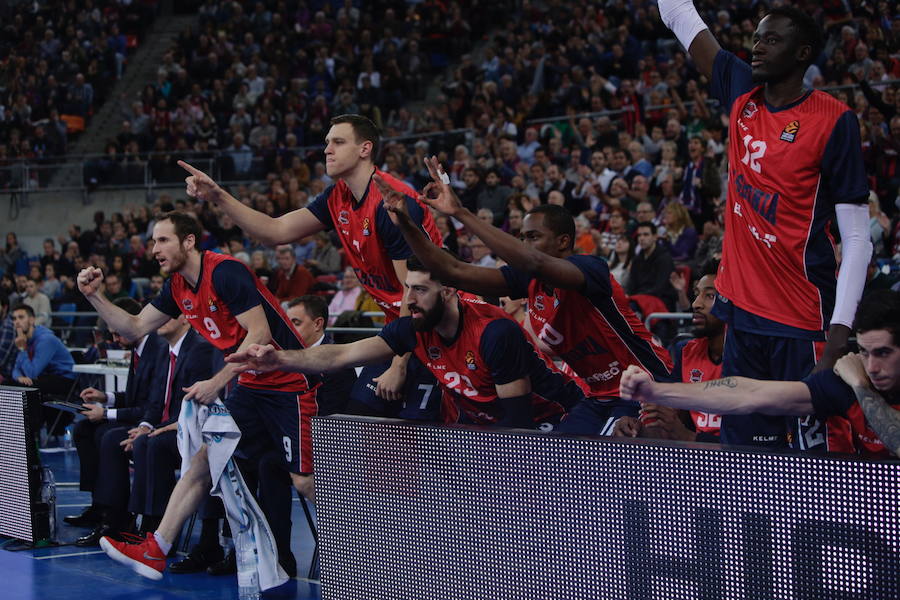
(750, 109)
(470, 360)
(790, 131)
(212, 306)
(365, 226)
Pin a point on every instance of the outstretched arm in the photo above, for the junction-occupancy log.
(321, 359)
(270, 231)
(726, 396)
(131, 327)
(554, 271)
(683, 19)
(450, 271)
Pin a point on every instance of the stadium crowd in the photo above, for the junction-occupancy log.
(586, 113)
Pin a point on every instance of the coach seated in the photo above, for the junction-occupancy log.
(106, 412)
(185, 358)
(42, 361)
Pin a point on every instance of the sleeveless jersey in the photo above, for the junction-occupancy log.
(208, 313)
(359, 227)
(696, 366)
(778, 254)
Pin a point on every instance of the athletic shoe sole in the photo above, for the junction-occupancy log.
(135, 565)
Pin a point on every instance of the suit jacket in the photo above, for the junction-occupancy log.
(197, 360)
(132, 403)
(334, 392)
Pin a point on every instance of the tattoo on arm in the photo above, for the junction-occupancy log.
(882, 418)
(729, 382)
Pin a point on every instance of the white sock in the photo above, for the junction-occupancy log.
(162, 543)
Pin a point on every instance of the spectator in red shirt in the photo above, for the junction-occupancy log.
(290, 280)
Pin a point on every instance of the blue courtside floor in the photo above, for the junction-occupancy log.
(67, 571)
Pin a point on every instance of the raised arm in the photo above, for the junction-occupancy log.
(726, 396)
(270, 231)
(683, 19)
(450, 271)
(324, 358)
(131, 327)
(554, 271)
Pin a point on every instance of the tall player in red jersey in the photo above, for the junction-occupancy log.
(353, 208)
(795, 161)
(575, 306)
(489, 371)
(232, 309)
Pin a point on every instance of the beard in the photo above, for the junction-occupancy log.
(430, 318)
(177, 262)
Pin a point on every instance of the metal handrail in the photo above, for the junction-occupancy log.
(667, 316)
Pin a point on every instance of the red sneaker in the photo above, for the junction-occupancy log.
(145, 558)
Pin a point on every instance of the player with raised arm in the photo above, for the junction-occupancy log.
(863, 388)
(232, 309)
(795, 165)
(489, 371)
(353, 208)
(575, 306)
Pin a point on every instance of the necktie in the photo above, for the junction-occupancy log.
(165, 414)
(135, 359)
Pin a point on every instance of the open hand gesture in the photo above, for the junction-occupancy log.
(255, 357)
(200, 185)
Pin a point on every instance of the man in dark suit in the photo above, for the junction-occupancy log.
(111, 414)
(188, 358)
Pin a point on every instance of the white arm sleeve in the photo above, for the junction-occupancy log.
(856, 251)
(683, 19)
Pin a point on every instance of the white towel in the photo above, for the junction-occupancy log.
(212, 425)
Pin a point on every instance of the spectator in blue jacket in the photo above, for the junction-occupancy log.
(43, 361)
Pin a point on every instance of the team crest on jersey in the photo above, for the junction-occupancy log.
(790, 131)
(539, 302)
(344, 217)
(212, 306)
(750, 109)
(470, 361)
(434, 352)
(365, 225)
(187, 304)
(696, 375)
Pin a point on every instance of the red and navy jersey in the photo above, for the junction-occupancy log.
(225, 288)
(489, 350)
(593, 329)
(788, 167)
(831, 397)
(693, 365)
(369, 237)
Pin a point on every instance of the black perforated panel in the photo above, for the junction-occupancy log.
(19, 476)
(417, 512)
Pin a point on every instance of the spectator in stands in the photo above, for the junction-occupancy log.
(241, 155)
(325, 259)
(114, 286)
(51, 286)
(680, 236)
(651, 268)
(347, 297)
(481, 254)
(290, 280)
(38, 301)
(701, 183)
(11, 254)
(620, 260)
(494, 196)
